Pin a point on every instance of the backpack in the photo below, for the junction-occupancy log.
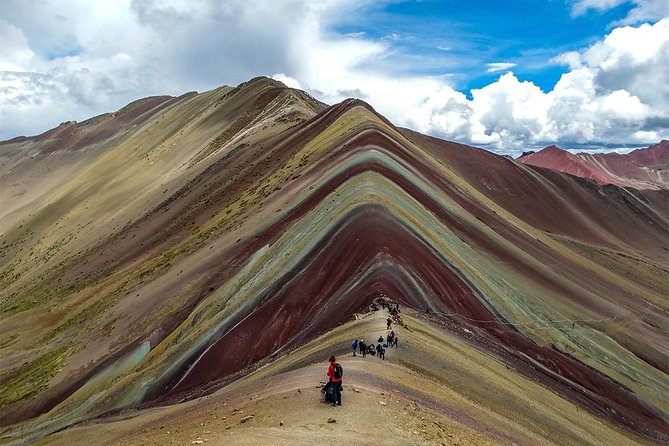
(338, 372)
(330, 395)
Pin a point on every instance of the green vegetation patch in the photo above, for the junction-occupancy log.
(34, 377)
(86, 315)
(45, 290)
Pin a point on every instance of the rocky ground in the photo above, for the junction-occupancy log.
(434, 389)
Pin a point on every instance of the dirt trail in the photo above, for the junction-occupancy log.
(425, 401)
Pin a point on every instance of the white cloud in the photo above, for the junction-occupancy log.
(642, 11)
(288, 81)
(98, 56)
(571, 58)
(610, 96)
(83, 58)
(514, 110)
(649, 10)
(633, 59)
(499, 66)
(16, 52)
(580, 7)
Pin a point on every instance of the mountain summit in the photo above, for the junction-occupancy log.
(641, 169)
(195, 260)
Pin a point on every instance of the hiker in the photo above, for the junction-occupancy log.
(354, 346)
(327, 392)
(389, 322)
(371, 350)
(394, 342)
(363, 347)
(335, 373)
(380, 339)
(381, 352)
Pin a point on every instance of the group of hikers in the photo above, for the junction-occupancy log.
(332, 389)
(378, 350)
(393, 309)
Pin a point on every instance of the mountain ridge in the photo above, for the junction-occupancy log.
(641, 169)
(257, 212)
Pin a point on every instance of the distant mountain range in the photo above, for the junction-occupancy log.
(641, 169)
(212, 250)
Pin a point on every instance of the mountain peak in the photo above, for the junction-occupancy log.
(263, 80)
(636, 169)
(242, 235)
(554, 150)
(551, 151)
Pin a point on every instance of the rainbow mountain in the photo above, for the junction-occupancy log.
(185, 252)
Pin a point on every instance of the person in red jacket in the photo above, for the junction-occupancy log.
(335, 373)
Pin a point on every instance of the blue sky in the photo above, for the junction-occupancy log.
(502, 75)
(456, 37)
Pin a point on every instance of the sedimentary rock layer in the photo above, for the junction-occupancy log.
(222, 229)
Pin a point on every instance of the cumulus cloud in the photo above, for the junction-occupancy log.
(615, 92)
(16, 52)
(615, 87)
(81, 58)
(75, 59)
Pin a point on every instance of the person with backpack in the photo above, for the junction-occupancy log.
(378, 350)
(382, 352)
(336, 374)
(354, 346)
